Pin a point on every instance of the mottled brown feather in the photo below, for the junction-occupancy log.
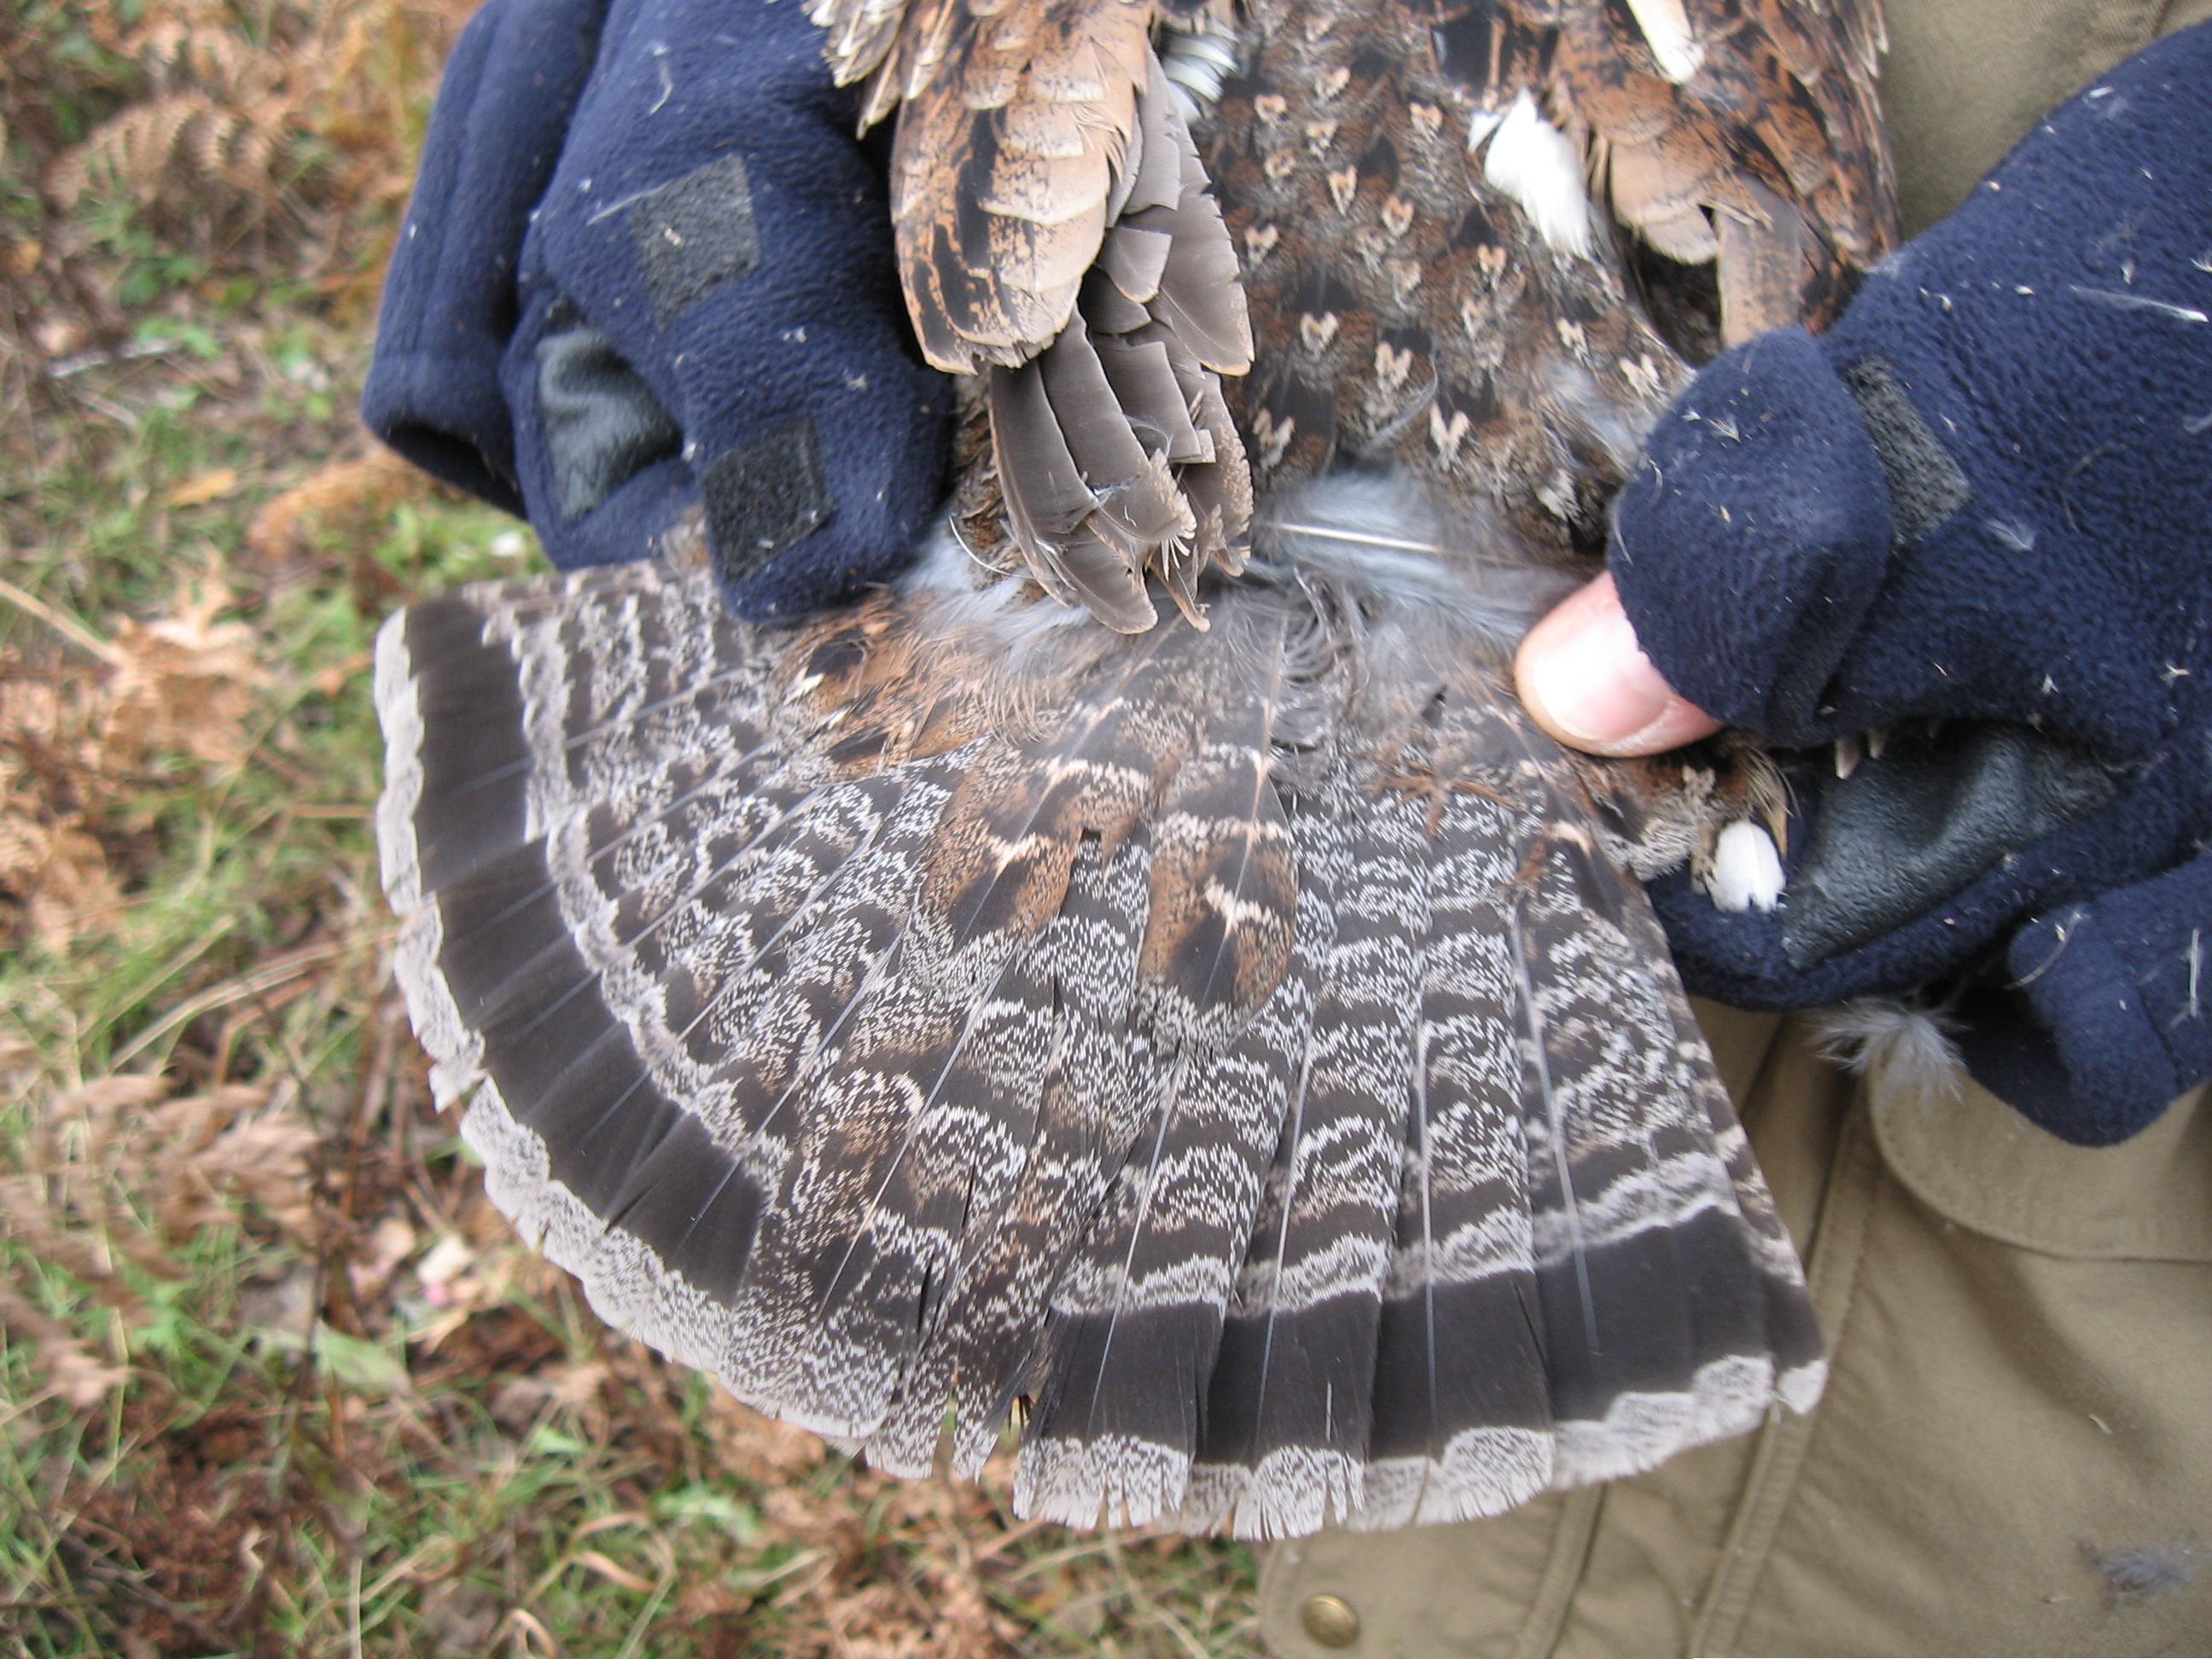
(1040, 158)
(1775, 136)
(1411, 310)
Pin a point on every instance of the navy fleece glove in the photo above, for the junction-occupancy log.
(1979, 512)
(648, 274)
(450, 305)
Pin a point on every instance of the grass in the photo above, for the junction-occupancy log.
(273, 1378)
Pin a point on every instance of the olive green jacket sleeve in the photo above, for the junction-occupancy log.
(2014, 1454)
(1964, 80)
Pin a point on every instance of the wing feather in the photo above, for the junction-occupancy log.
(1038, 142)
(1747, 136)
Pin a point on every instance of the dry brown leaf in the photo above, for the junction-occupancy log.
(251, 1150)
(390, 1242)
(283, 1308)
(60, 876)
(191, 1159)
(201, 487)
(570, 1385)
(515, 1404)
(59, 336)
(35, 1226)
(81, 1380)
(71, 1369)
(104, 1098)
(81, 742)
(184, 684)
(759, 1448)
(444, 1263)
(220, 127)
(38, 711)
(51, 863)
(344, 495)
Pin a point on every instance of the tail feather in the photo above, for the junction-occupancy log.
(1226, 981)
(1010, 1081)
(867, 1222)
(1285, 1430)
(1237, 1053)
(1656, 1304)
(1787, 1332)
(989, 1352)
(1463, 1420)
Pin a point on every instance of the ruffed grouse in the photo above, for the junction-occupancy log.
(1230, 1041)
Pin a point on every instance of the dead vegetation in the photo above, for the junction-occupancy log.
(274, 1378)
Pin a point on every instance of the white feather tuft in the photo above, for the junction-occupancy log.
(970, 595)
(1534, 163)
(1895, 1044)
(1746, 873)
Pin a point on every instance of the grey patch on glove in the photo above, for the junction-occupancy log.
(763, 497)
(695, 234)
(1925, 484)
(602, 422)
(1903, 834)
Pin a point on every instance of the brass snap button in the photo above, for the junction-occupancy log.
(1330, 1620)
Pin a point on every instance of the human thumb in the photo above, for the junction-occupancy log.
(1589, 683)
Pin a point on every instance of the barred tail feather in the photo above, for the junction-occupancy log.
(1236, 1055)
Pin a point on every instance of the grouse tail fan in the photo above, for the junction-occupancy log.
(1240, 1055)
(1232, 1042)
